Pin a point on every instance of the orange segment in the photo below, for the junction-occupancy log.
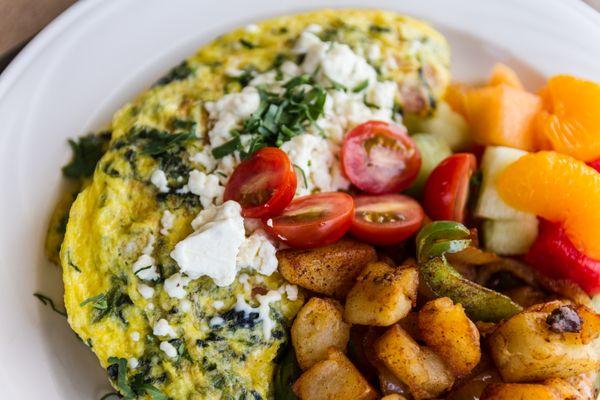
(503, 74)
(558, 188)
(571, 119)
(502, 116)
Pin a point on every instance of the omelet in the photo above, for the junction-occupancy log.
(169, 155)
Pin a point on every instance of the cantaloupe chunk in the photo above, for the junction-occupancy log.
(502, 116)
(456, 97)
(503, 74)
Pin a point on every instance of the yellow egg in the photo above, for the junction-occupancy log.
(116, 213)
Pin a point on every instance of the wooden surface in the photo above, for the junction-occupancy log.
(21, 19)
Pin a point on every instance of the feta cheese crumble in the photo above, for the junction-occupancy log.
(145, 266)
(145, 290)
(135, 336)
(168, 349)
(212, 249)
(159, 179)
(162, 328)
(207, 187)
(166, 222)
(258, 253)
(175, 285)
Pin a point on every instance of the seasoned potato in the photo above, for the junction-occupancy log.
(333, 378)
(418, 367)
(450, 333)
(527, 348)
(519, 391)
(393, 397)
(382, 295)
(564, 389)
(329, 270)
(317, 327)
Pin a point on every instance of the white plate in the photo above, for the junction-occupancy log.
(100, 53)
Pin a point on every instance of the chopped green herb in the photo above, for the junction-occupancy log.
(379, 29)
(48, 301)
(87, 150)
(247, 44)
(338, 86)
(227, 148)
(98, 302)
(279, 116)
(177, 73)
(142, 269)
(361, 86)
(137, 387)
(302, 173)
(161, 141)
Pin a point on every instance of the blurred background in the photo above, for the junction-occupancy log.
(20, 20)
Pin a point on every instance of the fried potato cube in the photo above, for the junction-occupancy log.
(317, 327)
(382, 295)
(329, 270)
(527, 348)
(393, 397)
(417, 367)
(521, 391)
(333, 378)
(448, 331)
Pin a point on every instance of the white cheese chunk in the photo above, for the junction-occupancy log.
(258, 253)
(133, 363)
(212, 249)
(166, 221)
(264, 311)
(229, 111)
(175, 285)
(145, 290)
(162, 328)
(159, 179)
(185, 305)
(135, 336)
(145, 266)
(168, 349)
(205, 158)
(207, 187)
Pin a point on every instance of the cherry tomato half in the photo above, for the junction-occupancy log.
(385, 219)
(264, 184)
(379, 157)
(447, 188)
(314, 220)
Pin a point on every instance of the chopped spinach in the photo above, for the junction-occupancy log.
(112, 302)
(247, 44)
(87, 150)
(279, 117)
(285, 374)
(138, 385)
(379, 29)
(158, 142)
(48, 301)
(177, 73)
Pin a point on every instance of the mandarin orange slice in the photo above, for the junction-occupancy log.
(570, 121)
(560, 189)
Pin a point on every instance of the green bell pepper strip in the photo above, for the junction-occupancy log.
(480, 303)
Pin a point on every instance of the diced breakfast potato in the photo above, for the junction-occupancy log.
(418, 367)
(333, 378)
(393, 397)
(329, 270)
(527, 347)
(447, 330)
(317, 327)
(520, 391)
(382, 295)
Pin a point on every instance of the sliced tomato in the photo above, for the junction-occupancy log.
(385, 219)
(264, 184)
(379, 157)
(314, 220)
(447, 188)
(595, 164)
